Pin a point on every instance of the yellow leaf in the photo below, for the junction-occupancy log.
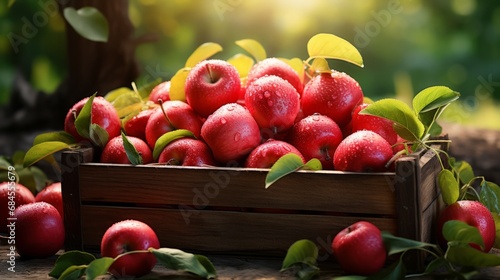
(203, 52)
(177, 84)
(253, 47)
(242, 63)
(297, 64)
(320, 65)
(330, 46)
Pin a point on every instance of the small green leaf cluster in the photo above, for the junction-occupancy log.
(31, 177)
(75, 264)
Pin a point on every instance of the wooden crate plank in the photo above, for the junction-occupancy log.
(224, 231)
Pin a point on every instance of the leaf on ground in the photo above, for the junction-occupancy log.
(303, 251)
(68, 259)
(98, 267)
(179, 260)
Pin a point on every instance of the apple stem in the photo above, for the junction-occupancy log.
(165, 114)
(74, 113)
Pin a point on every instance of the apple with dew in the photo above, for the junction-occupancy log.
(273, 102)
(267, 153)
(52, 194)
(334, 94)
(316, 136)
(39, 230)
(136, 126)
(174, 115)
(160, 92)
(363, 151)
(231, 133)
(126, 236)
(276, 67)
(379, 125)
(360, 249)
(187, 152)
(210, 84)
(114, 151)
(473, 213)
(12, 195)
(103, 114)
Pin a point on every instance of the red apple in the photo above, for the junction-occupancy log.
(12, 195)
(52, 194)
(362, 151)
(114, 151)
(334, 95)
(360, 249)
(180, 115)
(316, 136)
(187, 152)
(274, 66)
(160, 92)
(273, 103)
(39, 230)
(211, 84)
(472, 213)
(126, 236)
(103, 114)
(231, 133)
(381, 126)
(267, 153)
(136, 126)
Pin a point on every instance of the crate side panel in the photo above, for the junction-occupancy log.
(201, 187)
(224, 232)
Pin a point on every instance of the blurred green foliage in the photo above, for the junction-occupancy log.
(407, 45)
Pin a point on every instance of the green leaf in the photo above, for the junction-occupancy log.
(464, 170)
(307, 272)
(98, 267)
(460, 233)
(490, 196)
(313, 164)
(40, 178)
(320, 65)
(496, 217)
(301, 252)
(112, 95)
(435, 265)
(450, 190)
(242, 63)
(89, 22)
(468, 256)
(253, 47)
(98, 135)
(68, 259)
(84, 118)
(395, 271)
(351, 277)
(203, 52)
(132, 154)
(406, 123)
(433, 98)
(177, 83)
(42, 150)
(60, 136)
(169, 137)
(287, 164)
(330, 46)
(396, 245)
(180, 260)
(73, 272)
(126, 98)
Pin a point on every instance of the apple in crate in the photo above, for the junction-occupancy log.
(12, 195)
(187, 152)
(160, 92)
(114, 151)
(381, 126)
(136, 126)
(267, 153)
(126, 236)
(360, 249)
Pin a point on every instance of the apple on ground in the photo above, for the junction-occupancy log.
(267, 153)
(114, 151)
(231, 133)
(103, 114)
(160, 92)
(363, 151)
(39, 230)
(210, 84)
(12, 195)
(126, 236)
(473, 213)
(316, 136)
(274, 66)
(334, 94)
(178, 115)
(273, 102)
(187, 152)
(379, 125)
(52, 194)
(360, 248)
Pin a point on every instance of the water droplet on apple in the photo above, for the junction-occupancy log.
(223, 121)
(237, 137)
(329, 104)
(315, 118)
(267, 94)
(287, 148)
(261, 96)
(230, 107)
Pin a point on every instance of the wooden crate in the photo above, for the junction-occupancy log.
(228, 210)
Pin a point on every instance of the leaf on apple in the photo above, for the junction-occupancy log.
(84, 118)
(177, 83)
(285, 165)
(68, 259)
(458, 233)
(60, 136)
(449, 187)
(132, 154)
(254, 48)
(303, 254)
(320, 65)
(98, 135)
(313, 164)
(169, 137)
(329, 46)
(180, 260)
(42, 150)
(406, 123)
(89, 22)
